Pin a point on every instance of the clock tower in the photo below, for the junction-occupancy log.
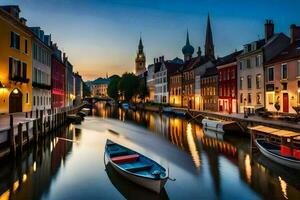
(140, 60)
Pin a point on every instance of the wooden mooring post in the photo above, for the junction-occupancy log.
(12, 141)
(20, 137)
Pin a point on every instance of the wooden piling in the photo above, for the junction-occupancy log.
(12, 141)
(20, 137)
(35, 131)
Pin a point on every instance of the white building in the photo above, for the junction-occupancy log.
(41, 70)
(161, 94)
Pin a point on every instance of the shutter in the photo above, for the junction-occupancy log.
(10, 67)
(19, 69)
(24, 70)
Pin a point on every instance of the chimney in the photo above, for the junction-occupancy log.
(159, 58)
(163, 58)
(269, 29)
(154, 60)
(23, 21)
(295, 33)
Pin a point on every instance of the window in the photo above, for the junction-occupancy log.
(284, 71)
(14, 68)
(258, 98)
(270, 74)
(249, 97)
(34, 100)
(24, 70)
(14, 40)
(249, 82)
(241, 82)
(258, 81)
(258, 60)
(241, 65)
(270, 98)
(26, 46)
(241, 98)
(248, 63)
(284, 86)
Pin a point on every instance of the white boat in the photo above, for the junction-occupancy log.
(136, 167)
(220, 126)
(213, 134)
(272, 152)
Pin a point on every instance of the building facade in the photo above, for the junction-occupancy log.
(282, 84)
(150, 82)
(69, 83)
(251, 76)
(15, 62)
(161, 94)
(57, 78)
(209, 89)
(175, 88)
(227, 76)
(140, 60)
(79, 88)
(41, 69)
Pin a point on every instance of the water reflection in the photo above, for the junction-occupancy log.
(206, 165)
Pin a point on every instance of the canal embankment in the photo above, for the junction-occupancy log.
(20, 129)
(243, 122)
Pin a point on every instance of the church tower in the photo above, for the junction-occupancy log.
(209, 44)
(140, 60)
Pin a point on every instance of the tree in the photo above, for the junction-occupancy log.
(86, 90)
(113, 87)
(143, 91)
(128, 85)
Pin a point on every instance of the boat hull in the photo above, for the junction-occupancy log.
(213, 125)
(151, 184)
(277, 158)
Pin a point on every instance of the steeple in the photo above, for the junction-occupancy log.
(209, 44)
(141, 47)
(188, 49)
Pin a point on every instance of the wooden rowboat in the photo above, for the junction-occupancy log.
(136, 167)
(275, 153)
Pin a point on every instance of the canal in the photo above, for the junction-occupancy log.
(69, 164)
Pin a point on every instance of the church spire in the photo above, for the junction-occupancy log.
(209, 44)
(187, 38)
(188, 49)
(141, 47)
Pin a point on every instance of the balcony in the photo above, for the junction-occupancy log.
(41, 86)
(18, 78)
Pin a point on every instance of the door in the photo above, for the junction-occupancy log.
(15, 101)
(285, 102)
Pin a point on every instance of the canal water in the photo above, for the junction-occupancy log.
(70, 163)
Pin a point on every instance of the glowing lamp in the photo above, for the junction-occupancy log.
(15, 91)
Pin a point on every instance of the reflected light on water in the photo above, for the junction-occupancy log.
(283, 186)
(24, 178)
(5, 195)
(34, 166)
(192, 146)
(16, 185)
(248, 168)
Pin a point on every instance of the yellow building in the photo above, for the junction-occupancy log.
(15, 62)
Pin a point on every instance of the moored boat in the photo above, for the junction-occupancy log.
(220, 126)
(125, 106)
(279, 153)
(168, 110)
(179, 112)
(136, 167)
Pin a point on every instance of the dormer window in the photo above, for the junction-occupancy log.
(253, 46)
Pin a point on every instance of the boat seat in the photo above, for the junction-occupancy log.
(117, 152)
(125, 159)
(141, 167)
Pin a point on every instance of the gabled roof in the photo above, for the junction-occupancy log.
(195, 62)
(228, 58)
(172, 67)
(290, 52)
(212, 71)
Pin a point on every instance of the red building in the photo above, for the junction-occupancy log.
(57, 79)
(227, 75)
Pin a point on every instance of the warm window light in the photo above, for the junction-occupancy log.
(15, 91)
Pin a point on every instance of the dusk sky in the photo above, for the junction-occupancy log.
(101, 36)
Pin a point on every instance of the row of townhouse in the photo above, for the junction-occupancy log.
(33, 73)
(266, 72)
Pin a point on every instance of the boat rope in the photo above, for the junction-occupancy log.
(171, 179)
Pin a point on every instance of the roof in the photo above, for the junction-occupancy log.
(212, 71)
(291, 52)
(194, 62)
(229, 58)
(274, 131)
(172, 67)
(99, 81)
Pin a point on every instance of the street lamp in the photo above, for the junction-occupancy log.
(1, 85)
